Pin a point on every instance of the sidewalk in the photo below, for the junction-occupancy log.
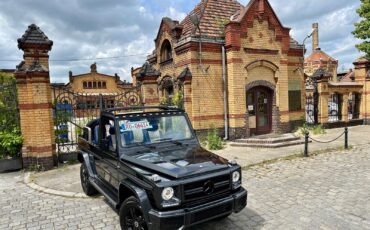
(358, 135)
(65, 181)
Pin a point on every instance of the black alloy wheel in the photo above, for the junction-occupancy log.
(131, 215)
(88, 189)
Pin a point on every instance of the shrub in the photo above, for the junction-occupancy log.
(313, 129)
(214, 141)
(177, 100)
(10, 143)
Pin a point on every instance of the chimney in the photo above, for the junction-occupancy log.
(315, 38)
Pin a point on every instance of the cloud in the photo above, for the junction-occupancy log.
(88, 29)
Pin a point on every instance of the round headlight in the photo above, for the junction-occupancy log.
(236, 176)
(167, 193)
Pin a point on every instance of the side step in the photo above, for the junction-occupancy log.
(106, 192)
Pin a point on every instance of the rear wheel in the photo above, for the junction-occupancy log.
(85, 183)
(131, 215)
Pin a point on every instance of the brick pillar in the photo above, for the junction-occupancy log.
(322, 85)
(362, 75)
(147, 77)
(344, 111)
(34, 96)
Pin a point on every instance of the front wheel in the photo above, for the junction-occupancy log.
(131, 215)
(87, 187)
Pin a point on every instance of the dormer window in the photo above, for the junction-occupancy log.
(166, 52)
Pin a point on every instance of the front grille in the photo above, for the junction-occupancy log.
(198, 192)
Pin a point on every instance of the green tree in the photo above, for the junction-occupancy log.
(362, 28)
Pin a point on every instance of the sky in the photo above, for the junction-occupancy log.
(94, 30)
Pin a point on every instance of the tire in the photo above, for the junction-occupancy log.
(131, 215)
(87, 187)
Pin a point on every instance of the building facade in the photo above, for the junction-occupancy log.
(237, 67)
(90, 90)
(340, 99)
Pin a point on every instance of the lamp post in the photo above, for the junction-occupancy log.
(314, 82)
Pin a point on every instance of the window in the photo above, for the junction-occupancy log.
(295, 100)
(104, 85)
(108, 134)
(89, 85)
(99, 84)
(137, 131)
(94, 84)
(84, 84)
(166, 51)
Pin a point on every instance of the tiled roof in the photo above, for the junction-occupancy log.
(213, 14)
(34, 35)
(348, 77)
(148, 70)
(321, 73)
(185, 73)
(34, 67)
(319, 55)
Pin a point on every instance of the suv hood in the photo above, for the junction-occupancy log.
(179, 162)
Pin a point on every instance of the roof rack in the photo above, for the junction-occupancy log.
(143, 108)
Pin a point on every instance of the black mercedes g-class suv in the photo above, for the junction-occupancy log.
(149, 165)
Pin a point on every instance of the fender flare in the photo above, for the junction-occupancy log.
(140, 194)
(84, 158)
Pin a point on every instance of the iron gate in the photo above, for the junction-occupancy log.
(72, 111)
(311, 110)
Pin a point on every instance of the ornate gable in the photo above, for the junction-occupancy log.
(173, 28)
(242, 20)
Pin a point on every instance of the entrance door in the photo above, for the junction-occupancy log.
(259, 107)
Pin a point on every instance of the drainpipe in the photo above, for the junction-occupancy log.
(225, 93)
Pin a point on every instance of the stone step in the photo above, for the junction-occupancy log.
(269, 139)
(268, 145)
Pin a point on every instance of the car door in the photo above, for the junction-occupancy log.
(107, 158)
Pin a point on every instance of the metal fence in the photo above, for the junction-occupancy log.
(72, 111)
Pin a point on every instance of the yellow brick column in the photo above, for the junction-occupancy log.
(34, 96)
(147, 78)
(344, 111)
(322, 86)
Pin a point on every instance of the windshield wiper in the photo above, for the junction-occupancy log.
(162, 139)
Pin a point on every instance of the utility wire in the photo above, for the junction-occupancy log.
(84, 59)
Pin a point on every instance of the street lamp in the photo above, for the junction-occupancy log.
(315, 92)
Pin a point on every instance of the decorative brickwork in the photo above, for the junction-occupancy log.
(34, 98)
(259, 52)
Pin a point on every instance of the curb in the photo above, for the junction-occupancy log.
(39, 188)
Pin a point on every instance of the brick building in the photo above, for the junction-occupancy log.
(342, 99)
(237, 67)
(90, 86)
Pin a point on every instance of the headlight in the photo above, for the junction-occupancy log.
(167, 193)
(236, 176)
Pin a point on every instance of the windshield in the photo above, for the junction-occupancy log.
(147, 130)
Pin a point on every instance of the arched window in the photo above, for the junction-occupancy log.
(99, 84)
(85, 84)
(166, 51)
(94, 84)
(90, 84)
(104, 85)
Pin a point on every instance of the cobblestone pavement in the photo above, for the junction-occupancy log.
(329, 191)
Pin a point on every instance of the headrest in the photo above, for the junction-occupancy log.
(112, 131)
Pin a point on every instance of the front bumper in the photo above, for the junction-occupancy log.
(182, 218)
